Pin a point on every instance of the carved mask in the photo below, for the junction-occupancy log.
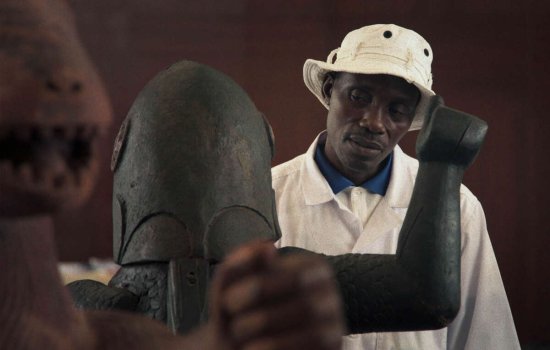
(52, 108)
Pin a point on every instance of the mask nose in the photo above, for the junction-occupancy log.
(64, 83)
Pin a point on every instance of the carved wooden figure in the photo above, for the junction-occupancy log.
(52, 110)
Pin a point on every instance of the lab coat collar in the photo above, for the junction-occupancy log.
(387, 216)
(316, 189)
(402, 179)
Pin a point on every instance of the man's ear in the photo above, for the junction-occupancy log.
(326, 89)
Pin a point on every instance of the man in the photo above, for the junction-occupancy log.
(350, 191)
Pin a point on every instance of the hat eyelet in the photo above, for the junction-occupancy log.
(426, 52)
(388, 34)
(334, 58)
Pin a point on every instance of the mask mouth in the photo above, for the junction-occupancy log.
(55, 157)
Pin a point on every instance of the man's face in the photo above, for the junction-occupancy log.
(368, 115)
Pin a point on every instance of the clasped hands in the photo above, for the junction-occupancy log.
(261, 300)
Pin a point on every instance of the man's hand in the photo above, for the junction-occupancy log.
(264, 301)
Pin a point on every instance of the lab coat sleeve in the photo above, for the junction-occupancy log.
(484, 320)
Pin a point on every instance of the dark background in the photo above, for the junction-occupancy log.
(490, 60)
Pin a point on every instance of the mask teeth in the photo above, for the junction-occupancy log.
(22, 145)
(58, 132)
(58, 181)
(22, 134)
(77, 178)
(38, 175)
(37, 134)
(79, 132)
(70, 133)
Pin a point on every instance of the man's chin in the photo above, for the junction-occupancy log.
(365, 166)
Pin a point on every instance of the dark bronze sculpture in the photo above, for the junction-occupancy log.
(169, 189)
(192, 182)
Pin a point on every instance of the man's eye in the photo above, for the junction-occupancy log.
(401, 111)
(398, 110)
(357, 96)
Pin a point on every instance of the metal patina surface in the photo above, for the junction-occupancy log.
(192, 182)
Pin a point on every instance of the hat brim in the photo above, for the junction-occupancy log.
(315, 71)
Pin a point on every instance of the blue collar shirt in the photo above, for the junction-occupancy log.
(360, 200)
(338, 182)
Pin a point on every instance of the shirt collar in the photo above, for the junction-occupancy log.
(377, 184)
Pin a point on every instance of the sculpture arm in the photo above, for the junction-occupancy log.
(94, 295)
(419, 286)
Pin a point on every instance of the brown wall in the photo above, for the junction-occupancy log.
(490, 60)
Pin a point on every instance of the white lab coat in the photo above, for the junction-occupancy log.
(310, 217)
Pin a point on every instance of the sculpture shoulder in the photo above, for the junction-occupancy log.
(94, 295)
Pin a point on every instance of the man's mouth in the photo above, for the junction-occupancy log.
(366, 143)
(47, 156)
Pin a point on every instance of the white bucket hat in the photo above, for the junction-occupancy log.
(379, 49)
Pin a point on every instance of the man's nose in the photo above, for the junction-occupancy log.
(373, 120)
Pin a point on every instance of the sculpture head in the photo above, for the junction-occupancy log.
(52, 109)
(191, 169)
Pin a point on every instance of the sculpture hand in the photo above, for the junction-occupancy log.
(449, 135)
(264, 301)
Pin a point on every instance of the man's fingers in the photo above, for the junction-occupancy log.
(286, 276)
(309, 270)
(265, 301)
(294, 304)
(243, 262)
(318, 307)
